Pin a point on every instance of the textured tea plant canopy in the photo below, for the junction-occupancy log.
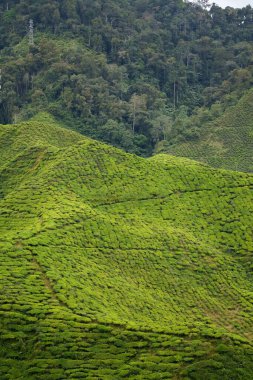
(226, 142)
(114, 266)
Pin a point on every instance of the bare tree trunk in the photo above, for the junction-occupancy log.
(134, 119)
(89, 40)
(174, 94)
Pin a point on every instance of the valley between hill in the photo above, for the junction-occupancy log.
(226, 142)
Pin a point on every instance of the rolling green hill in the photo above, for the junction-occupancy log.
(226, 142)
(115, 266)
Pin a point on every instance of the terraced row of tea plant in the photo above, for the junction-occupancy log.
(114, 266)
(226, 142)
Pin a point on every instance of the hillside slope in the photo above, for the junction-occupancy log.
(114, 266)
(226, 142)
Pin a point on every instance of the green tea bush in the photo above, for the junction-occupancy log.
(114, 266)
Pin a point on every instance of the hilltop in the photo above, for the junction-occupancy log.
(114, 266)
(225, 142)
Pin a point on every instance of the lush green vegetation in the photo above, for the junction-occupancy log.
(221, 138)
(115, 266)
(132, 73)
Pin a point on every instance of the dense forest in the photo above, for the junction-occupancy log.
(129, 72)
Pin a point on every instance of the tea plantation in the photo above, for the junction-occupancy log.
(226, 142)
(119, 267)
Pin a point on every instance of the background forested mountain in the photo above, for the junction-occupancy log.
(132, 73)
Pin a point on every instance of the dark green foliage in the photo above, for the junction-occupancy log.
(220, 139)
(113, 70)
(114, 266)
